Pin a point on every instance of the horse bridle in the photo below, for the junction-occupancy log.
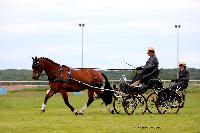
(35, 66)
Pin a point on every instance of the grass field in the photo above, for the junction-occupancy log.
(20, 113)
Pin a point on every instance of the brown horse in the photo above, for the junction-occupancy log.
(63, 79)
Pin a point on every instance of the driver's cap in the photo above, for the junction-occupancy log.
(182, 63)
(150, 49)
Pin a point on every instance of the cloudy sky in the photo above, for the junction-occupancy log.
(115, 31)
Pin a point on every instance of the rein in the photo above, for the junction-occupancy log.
(81, 82)
(70, 78)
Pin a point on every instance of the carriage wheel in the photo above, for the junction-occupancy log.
(135, 104)
(168, 101)
(175, 101)
(151, 103)
(117, 104)
(141, 105)
(128, 104)
(182, 96)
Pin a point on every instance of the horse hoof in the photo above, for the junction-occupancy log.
(42, 111)
(112, 112)
(80, 113)
(76, 113)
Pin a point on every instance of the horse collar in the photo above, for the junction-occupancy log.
(69, 75)
(61, 70)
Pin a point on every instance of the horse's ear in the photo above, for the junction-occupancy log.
(33, 58)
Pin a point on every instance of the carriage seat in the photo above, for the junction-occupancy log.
(152, 80)
(155, 84)
(153, 75)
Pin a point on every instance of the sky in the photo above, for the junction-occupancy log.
(115, 31)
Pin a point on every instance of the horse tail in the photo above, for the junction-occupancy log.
(106, 79)
(108, 93)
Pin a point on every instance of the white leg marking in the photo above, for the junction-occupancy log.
(109, 108)
(43, 107)
(83, 108)
(75, 111)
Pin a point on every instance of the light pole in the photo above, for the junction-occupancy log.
(82, 25)
(177, 27)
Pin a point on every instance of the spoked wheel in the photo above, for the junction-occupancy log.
(117, 104)
(135, 104)
(141, 104)
(151, 103)
(168, 101)
(128, 104)
(182, 95)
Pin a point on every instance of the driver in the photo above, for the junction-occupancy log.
(150, 66)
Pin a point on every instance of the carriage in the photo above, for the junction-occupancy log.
(158, 99)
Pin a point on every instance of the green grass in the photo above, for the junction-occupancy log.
(20, 113)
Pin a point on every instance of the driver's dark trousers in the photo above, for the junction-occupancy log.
(177, 86)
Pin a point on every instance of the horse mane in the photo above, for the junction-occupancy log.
(49, 60)
(45, 58)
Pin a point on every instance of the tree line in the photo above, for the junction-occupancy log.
(26, 75)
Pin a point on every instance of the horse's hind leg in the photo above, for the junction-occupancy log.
(65, 98)
(50, 94)
(90, 100)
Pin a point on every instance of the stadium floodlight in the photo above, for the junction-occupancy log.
(82, 25)
(177, 27)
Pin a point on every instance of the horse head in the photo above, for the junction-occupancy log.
(37, 68)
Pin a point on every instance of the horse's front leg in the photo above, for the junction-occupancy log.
(65, 98)
(50, 94)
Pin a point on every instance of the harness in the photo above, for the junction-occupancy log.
(69, 76)
(70, 79)
(54, 76)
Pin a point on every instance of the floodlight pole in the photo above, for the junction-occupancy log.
(82, 25)
(177, 27)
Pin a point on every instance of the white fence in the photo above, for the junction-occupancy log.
(42, 83)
